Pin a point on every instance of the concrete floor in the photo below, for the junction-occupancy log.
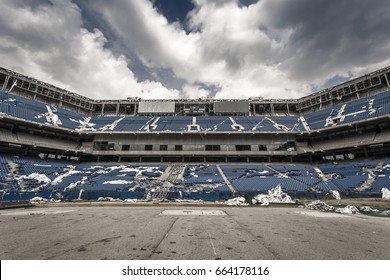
(236, 233)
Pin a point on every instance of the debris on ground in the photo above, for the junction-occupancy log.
(237, 201)
(275, 195)
(108, 199)
(368, 209)
(335, 194)
(38, 199)
(386, 213)
(349, 209)
(385, 193)
(320, 205)
(130, 200)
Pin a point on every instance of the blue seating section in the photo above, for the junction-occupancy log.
(294, 169)
(201, 174)
(305, 174)
(382, 179)
(169, 123)
(270, 123)
(356, 110)
(261, 184)
(347, 176)
(116, 123)
(200, 181)
(223, 188)
(3, 171)
(35, 111)
(349, 183)
(361, 109)
(214, 123)
(259, 178)
(51, 168)
(29, 165)
(233, 172)
(89, 177)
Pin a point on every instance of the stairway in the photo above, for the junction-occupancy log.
(174, 173)
(14, 172)
(160, 194)
(227, 182)
(320, 173)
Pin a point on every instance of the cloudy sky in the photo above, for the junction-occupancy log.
(194, 48)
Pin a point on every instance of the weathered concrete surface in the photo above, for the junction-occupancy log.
(142, 233)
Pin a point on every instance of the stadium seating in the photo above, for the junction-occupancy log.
(201, 174)
(31, 170)
(199, 181)
(382, 178)
(347, 176)
(3, 169)
(36, 111)
(94, 177)
(361, 109)
(259, 178)
(31, 110)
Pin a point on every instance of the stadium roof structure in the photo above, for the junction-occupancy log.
(359, 87)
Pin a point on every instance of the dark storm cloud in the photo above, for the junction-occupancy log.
(331, 36)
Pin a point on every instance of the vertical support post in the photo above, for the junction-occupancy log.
(5, 83)
(387, 80)
(365, 152)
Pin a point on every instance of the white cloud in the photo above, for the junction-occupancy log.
(226, 47)
(49, 43)
(272, 49)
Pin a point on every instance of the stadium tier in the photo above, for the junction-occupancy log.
(52, 178)
(61, 144)
(35, 111)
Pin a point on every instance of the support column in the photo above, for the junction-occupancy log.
(365, 152)
(101, 113)
(387, 81)
(5, 83)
